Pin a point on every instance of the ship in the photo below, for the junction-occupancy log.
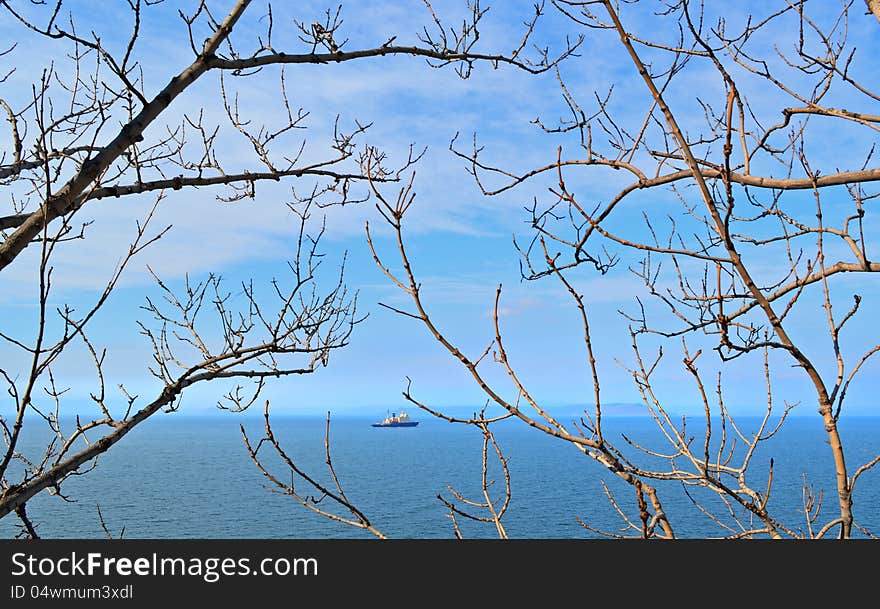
(396, 420)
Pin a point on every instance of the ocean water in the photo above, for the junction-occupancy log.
(191, 477)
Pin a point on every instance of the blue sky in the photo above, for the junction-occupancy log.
(460, 241)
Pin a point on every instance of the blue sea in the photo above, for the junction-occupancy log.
(190, 477)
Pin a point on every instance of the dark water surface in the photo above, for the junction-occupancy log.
(190, 477)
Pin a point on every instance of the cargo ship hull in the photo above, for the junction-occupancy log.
(406, 424)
